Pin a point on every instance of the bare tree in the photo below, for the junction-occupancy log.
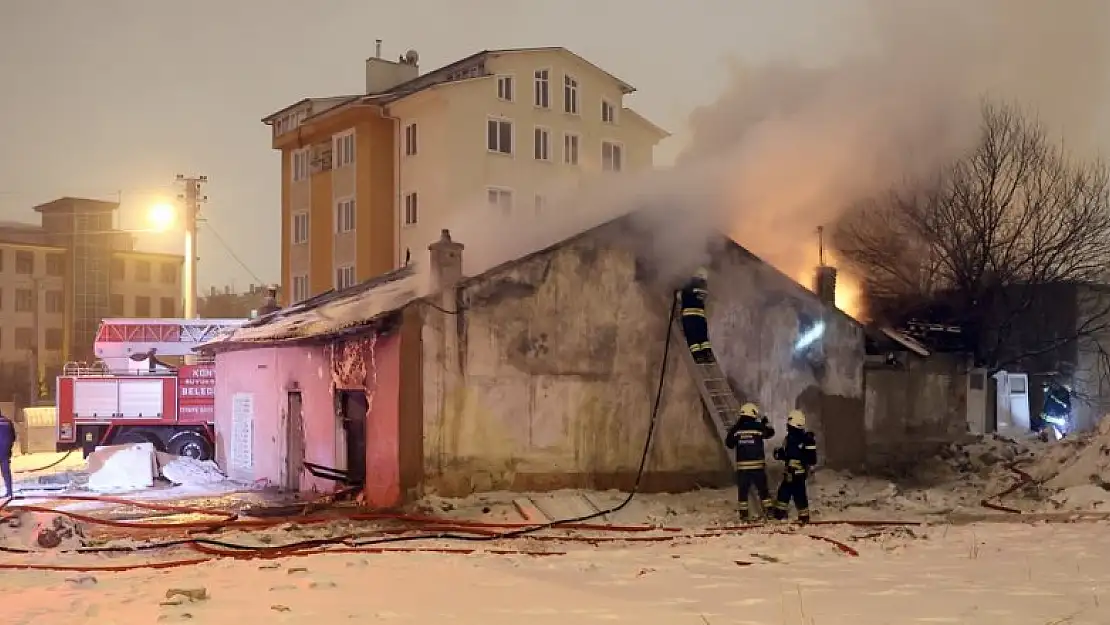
(1011, 242)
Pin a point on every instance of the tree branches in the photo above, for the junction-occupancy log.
(986, 238)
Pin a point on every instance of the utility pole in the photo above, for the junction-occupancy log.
(191, 200)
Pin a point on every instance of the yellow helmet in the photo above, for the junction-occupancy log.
(796, 419)
(749, 410)
(702, 273)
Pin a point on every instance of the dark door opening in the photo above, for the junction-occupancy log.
(294, 442)
(354, 407)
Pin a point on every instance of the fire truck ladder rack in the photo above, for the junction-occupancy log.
(722, 408)
(85, 369)
(186, 331)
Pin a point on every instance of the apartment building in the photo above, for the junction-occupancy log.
(368, 179)
(60, 278)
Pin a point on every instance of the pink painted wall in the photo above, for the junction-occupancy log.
(383, 436)
(269, 374)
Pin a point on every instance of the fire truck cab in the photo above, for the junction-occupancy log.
(130, 395)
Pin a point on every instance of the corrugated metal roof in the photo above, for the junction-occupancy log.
(330, 313)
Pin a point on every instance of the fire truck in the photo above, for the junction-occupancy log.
(131, 395)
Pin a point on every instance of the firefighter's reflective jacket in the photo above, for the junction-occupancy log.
(746, 436)
(798, 451)
(693, 297)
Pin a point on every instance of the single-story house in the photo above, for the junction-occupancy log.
(537, 374)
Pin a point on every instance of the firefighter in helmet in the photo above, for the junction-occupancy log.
(694, 324)
(746, 436)
(799, 453)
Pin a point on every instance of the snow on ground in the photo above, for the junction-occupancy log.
(1015, 574)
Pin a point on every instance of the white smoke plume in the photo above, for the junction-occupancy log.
(788, 148)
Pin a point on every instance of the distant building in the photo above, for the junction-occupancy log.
(369, 177)
(228, 304)
(60, 278)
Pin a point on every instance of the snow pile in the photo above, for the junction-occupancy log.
(186, 471)
(122, 468)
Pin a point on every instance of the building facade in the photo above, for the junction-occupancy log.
(369, 180)
(538, 374)
(59, 279)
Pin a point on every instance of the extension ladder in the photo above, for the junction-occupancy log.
(722, 408)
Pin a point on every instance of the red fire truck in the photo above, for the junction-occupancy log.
(131, 396)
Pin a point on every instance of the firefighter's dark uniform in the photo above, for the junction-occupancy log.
(746, 436)
(799, 453)
(694, 324)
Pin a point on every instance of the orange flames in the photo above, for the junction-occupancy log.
(849, 291)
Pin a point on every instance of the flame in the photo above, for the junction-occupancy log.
(849, 290)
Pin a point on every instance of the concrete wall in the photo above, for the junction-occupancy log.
(268, 374)
(547, 377)
(910, 411)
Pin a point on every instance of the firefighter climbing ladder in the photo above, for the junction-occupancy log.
(720, 402)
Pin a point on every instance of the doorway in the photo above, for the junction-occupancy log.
(294, 442)
(354, 408)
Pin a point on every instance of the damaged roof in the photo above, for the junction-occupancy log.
(328, 314)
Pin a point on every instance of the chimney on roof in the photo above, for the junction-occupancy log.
(383, 75)
(824, 283)
(446, 262)
(270, 304)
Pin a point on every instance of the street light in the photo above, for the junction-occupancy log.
(161, 216)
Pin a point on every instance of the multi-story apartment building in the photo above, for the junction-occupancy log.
(369, 178)
(60, 278)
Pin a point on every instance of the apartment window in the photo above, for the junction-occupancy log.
(54, 339)
(300, 288)
(55, 264)
(505, 88)
(608, 112)
(24, 338)
(55, 302)
(300, 228)
(542, 144)
(541, 204)
(501, 199)
(300, 164)
(499, 136)
(345, 216)
(167, 306)
(119, 269)
(1, 260)
(1, 299)
(570, 94)
(167, 273)
(142, 306)
(344, 149)
(344, 277)
(570, 149)
(142, 271)
(412, 209)
(410, 139)
(24, 300)
(115, 303)
(543, 88)
(612, 156)
(24, 262)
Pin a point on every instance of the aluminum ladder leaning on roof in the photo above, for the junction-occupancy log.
(720, 402)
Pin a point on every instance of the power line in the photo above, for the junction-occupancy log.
(231, 252)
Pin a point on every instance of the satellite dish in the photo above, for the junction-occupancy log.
(412, 57)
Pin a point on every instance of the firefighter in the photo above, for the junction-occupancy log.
(1057, 408)
(7, 443)
(746, 436)
(694, 323)
(799, 453)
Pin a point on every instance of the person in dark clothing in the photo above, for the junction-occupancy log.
(694, 324)
(7, 443)
(799, 452)
(746, 436)
(1056, 413)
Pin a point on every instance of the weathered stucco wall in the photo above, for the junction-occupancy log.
(756, 316)
(268, 374)
(911, 410)
(546, 378)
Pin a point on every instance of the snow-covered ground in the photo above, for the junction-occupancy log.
(975, 575)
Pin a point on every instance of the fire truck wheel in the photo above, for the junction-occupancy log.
(191, 445)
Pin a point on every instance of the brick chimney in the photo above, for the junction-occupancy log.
(446, 262)
(270, 304)
(825, 285)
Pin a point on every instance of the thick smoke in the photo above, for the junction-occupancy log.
(788, 148)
